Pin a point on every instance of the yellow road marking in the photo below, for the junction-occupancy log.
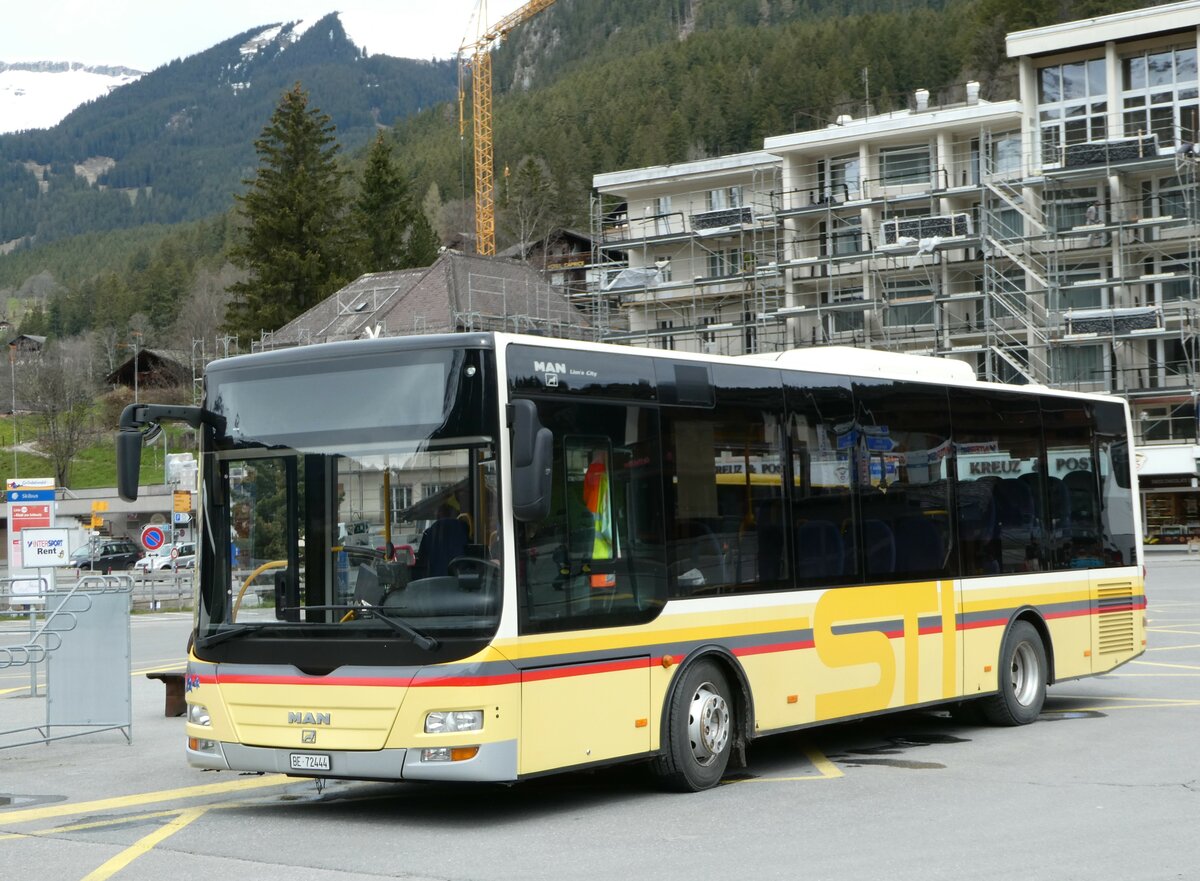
(31, 815)
(96, 824)
(144, 845)
(828, 769)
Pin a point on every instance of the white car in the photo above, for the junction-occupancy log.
(180, 556)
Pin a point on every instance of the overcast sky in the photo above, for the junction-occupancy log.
(145, 34)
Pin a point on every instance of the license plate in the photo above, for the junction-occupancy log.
(309, 762)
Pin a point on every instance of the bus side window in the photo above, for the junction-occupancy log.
(823, 477)
(999, 482)
(902, 436)
(1076, 540)
(597, 558)
(725, 517)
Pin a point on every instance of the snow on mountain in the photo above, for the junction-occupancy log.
(40, 94)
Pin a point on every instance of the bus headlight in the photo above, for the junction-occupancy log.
(197, 714)
(445, 722)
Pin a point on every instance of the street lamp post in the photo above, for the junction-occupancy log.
(12, 366)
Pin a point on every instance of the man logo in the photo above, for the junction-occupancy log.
(549, 367)
(308, 718)
(308, 735)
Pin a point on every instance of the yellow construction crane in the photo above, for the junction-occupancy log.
(477, 55)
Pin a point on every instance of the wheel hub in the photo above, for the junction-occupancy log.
(708, 724)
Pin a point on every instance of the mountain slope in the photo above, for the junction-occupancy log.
(176, 144)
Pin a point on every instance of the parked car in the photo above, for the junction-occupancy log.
(179, 556)
(106, 555)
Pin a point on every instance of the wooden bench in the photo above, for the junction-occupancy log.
(175, 705)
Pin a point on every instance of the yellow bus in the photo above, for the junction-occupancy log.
(633, 554)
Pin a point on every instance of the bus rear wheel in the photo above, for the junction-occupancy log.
(699, 732)
(1022, 672)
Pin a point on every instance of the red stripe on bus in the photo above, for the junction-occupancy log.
(239, 679)
(774, 647)
(466, 681)
(585, 669)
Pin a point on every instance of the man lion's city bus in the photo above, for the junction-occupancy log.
(626, 554)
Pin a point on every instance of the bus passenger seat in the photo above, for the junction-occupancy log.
(879, 546)
(919, 545)
(819, 549)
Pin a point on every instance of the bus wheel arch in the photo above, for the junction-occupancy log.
(707, 707)
(1023, 671)
(1039, 624)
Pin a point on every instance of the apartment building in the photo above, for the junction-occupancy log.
(1050, 238)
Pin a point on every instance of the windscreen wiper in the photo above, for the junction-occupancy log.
(420, 640)
(226, 635)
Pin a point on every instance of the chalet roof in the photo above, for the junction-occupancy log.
(458, 292)
(155, 367)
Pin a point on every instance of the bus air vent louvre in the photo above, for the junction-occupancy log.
(1116, 618)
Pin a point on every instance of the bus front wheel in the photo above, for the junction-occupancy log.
(699, 731)
(1022, 672)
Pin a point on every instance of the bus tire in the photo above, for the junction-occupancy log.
(1022, 673)
(699, 732)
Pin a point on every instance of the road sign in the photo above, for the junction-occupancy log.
(153, 537)
(31, 495)
(180, 517)
(183, 501)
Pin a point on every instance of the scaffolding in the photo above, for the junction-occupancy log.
(702, 271)
(1079, 269)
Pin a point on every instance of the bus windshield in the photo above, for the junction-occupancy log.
(355, 502)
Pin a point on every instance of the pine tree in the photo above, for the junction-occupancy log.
(384, 210)
(292, 241)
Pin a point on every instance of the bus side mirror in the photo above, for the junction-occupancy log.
(129, 462)
(532, 457)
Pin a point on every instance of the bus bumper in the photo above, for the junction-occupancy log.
(494, 762)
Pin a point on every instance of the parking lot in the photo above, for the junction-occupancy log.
(1105, 785)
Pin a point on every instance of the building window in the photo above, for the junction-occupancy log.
(1072, 103)
(1165, 197)
(725, 197)
(662, 215)
(724, 262)
(904, 165)
(708, 336)
(1006, 155)
(1180, 287)
(665, 340)
(1068, 206)
(1159, 94)
(1080, 364)
(1087, 296)
(845, 178)
(846, 237)
(909, 302)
